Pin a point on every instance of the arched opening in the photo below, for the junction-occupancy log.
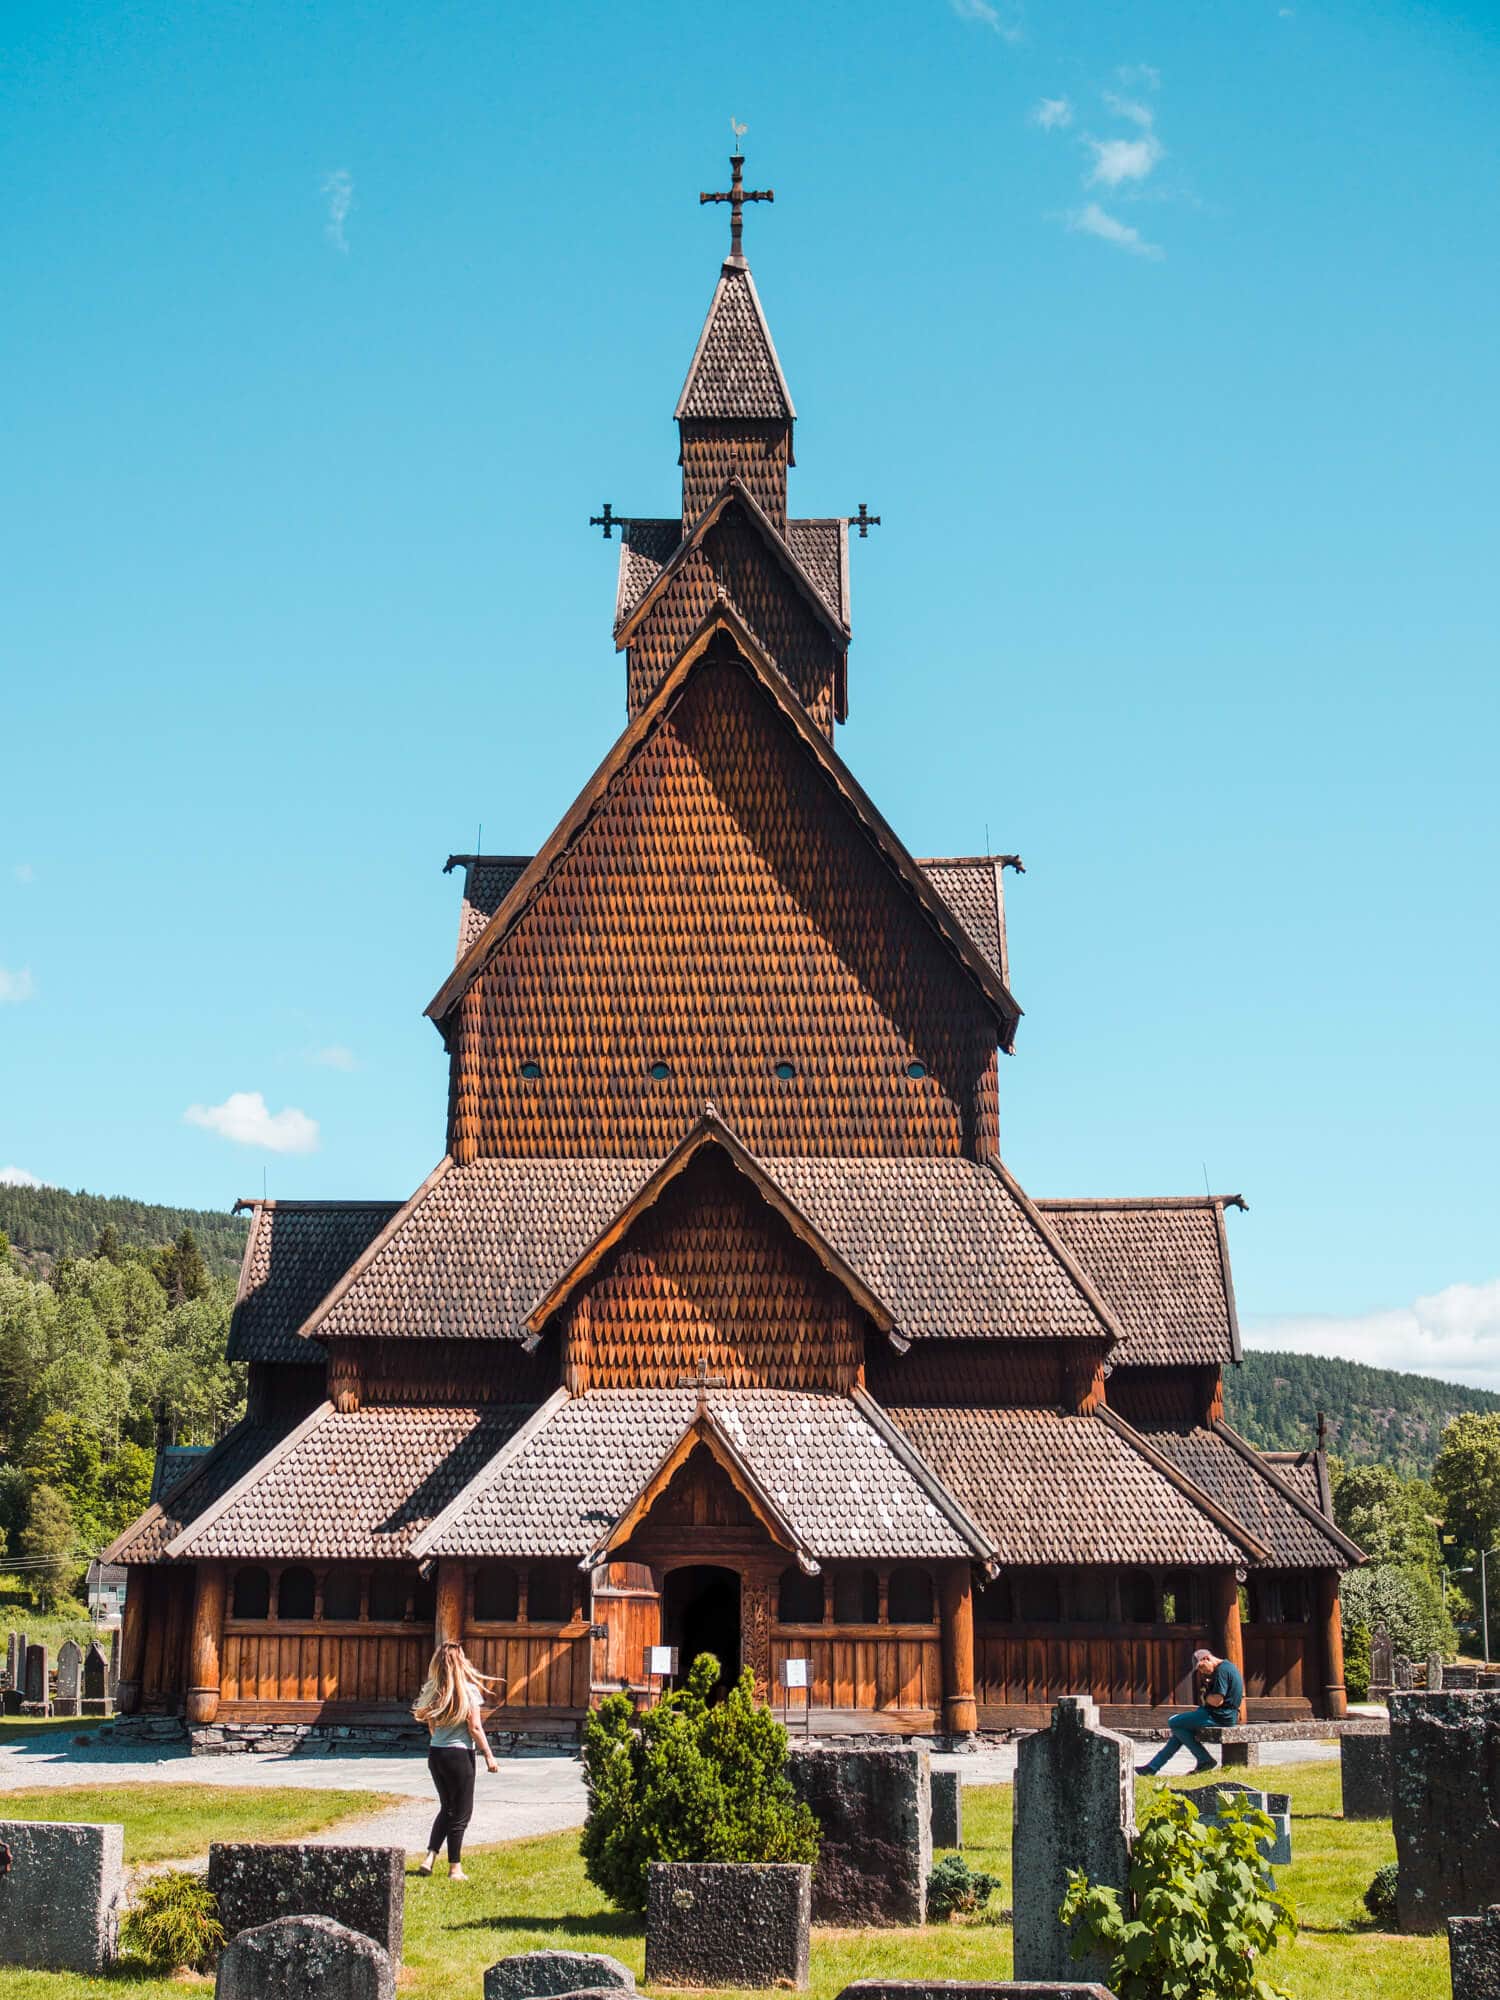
(701, 1614)
(799, 1598)
(252, 1593)
(910, 1599)
(296, 1593)
(497, 1594)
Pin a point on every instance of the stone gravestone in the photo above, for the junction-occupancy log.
(361, 1887)
(96, 1688)
(114, 1660)
(1434, 1673)
(1277, 1806)
(69, 1679)
(1401, 1677)
(1074, 1808)
(1365, 1771)
(727, 1923)
(1382, 1660)
(15, 1673)
(60, 1896)
(1474, 1955)
(974, 1989)
(947, 1809)
(295, 1958)
(1445, 1805)
(38, 1678)
(1466, 1678)
(538, 1975)
(875, 1809)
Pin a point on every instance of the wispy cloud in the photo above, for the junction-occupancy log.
(1453, 1334)
(18, 1177)
(1139, 76)
(1005, 22)
(245, 1118)
(335, 1056)
(1092, 220)
(1053, 114)
(16, 986)
(1117, 160)
(338, 192)
(24, 872)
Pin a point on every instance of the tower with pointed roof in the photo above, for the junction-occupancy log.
(721, 1322)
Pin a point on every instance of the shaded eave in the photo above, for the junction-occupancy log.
(1204, 1501)
(182, 1542)
(958, 1518)
(1145, 1204)
(488, 1474)
(712, 1131)
(373, 1249)
(752, 659)
(734, 267)
(1289, 1493)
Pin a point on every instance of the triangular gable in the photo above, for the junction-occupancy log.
(750, 659)
(373, 1250)
(1204, 1501)
(1058, 1250)
(711, 1131)
(705, 1429)
(735, 370)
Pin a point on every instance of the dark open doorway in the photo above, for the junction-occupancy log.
(701, 1614)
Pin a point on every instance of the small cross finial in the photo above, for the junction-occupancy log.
(608, 521)
(737, 196)
(864, 520)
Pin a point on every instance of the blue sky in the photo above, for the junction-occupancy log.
(1163, 339)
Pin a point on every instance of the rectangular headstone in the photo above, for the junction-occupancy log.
(1074, 1808)
(1382, 1658)
(974, 1989)
(1460, 1677)
(38, 1687)
(1402, 1676)
(69, 1678)
(541, 1975)
(114, 1660)
(96, 1691)
(296, 1958)
(1474, 1955)
(947, 1809)
(1434, 1673)
(361, 1887)
(1445, 1805)
(60, 1897)
(727, 1923)
(1365, 1773)
(875, 1809)
(12, 1662)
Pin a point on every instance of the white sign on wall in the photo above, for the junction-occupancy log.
(794, 1673)
(661, 1660)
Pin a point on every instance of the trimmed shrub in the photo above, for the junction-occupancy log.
(173, 1922)
(1380, 1897)
(954, 1889)
(688, 1781)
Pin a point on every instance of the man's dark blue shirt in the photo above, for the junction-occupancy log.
(1226, 1680)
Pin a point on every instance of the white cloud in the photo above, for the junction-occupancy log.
(244, 1118)
(1053, 114)
(1092, 220)
(1006, 25)
(1139, 76)
(1453, 1334)
(338, 187)
(24, 872)
(1118, 160)
(17, 986)
(1131, 108)
(18, 1177)
(335, 1056)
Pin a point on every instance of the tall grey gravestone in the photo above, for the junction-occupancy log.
(37, 1677)
(1401, 1674)
(69, 1678)
(96, 1687)
(1474, 1955)
(296, 1958)
(60, 1896)
(875, 1811)
(114, 1660)
(1074, 1808)
(1434, 1673)
(1445, 1805)
(1382, 1660)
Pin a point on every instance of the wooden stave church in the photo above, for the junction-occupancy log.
(721, 1321)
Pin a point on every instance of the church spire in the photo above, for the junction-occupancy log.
(737, 196)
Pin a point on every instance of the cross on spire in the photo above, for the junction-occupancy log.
(864, 520)
(737, 196)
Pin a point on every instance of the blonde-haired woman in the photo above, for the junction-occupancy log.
(452, 1706)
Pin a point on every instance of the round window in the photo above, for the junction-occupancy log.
(659, 1072)
(785, 1071)
(916, 1071)
(531, 1071)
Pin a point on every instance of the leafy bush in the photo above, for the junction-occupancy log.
(1406, 1599)
(1358, 1664)
(955, 1889)
(687, 1781)
(173, 1922)
(1206, 1908)
(1380, 1897)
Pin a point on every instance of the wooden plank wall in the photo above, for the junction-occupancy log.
(864, 1666)
(542, 1666)
(1120, 1666)
(169, 1625)
(316, 1663)
(1281, 1661)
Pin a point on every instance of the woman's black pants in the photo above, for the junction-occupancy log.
(452, 1770)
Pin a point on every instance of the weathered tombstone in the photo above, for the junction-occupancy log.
(1365, 1775)
(1382, 1660)
(12, 1643)
(974, 1989)
(361, 1887)
(1445, 1805)
(1466, 1678)
(38, 1679)
(728, 1923)
(1074, 1808)
(947, 1809)
(875, 1809)
(1434, 1673)
(60, 1895)
(538, 1975)
(96, 1691)
(69, 1678)
(1276, 1849)
(114, 1660)
(15, 1674)
(295, 1958)
(1401, 1677)
(1474, 1955)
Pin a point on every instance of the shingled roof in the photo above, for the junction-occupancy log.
(1275, 1508)
(1162, 1264)
(295, 1252)
(351, 1485)
(832, 1476)
(488, 880)
(951, 1247)
(821, 547)
(735, 370)
(202, 1486)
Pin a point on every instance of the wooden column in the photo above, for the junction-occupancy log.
(960, 1715)
(208, 1628)
(1331, 1634)
(449, 1621)
(756, 1586)
(132, 1641)
(1228, 1640)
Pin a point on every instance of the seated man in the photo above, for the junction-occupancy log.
(1221, 1690)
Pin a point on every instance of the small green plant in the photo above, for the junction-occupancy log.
(1206, 1908)
(1380, 1897)
(954, 1889)
(688, 1781)
(173, 1922)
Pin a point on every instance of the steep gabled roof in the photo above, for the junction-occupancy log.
(735, 370)
(749, 659)
(488, 880)
(201, 1485)
(820, 545)
(295, 1251)
(1162, 1262)
(973, 887)
(1256, 1491)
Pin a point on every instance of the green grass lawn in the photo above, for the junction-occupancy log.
(170, 1822)
(532, 1893)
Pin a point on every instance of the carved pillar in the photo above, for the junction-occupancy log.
(448, 1623)
(133, 1642)
(1228, 1640)
(755, 1629)
(1331, 1635)
(208, 1628)
(960, 1714)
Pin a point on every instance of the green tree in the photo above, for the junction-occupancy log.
(124, 1488)
(1466, 1479)
(48, 1544)
(1406, 1599)
(1387, 1515)
(181, 1271)
(109, 1249)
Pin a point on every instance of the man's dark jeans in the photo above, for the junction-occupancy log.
(1183, 1735)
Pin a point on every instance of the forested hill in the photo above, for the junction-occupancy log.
(1375, 1415)
(46, 1223)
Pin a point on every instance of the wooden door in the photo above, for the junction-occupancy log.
(627, 1606)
